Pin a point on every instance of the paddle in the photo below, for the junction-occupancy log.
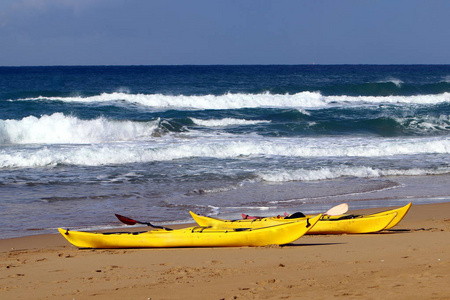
(334, 211)
(337, 210)
(130, 221)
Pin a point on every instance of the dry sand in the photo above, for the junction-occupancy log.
(411, 261)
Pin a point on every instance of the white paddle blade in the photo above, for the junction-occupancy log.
(337, 210)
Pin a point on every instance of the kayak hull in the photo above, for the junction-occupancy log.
(194, 236)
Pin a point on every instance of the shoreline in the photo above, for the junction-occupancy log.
(412, 260)
(320, 196)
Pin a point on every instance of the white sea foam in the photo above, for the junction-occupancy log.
(227, 101)
(395, 81)
(226, 122)
(303, 100)
(418, 99)
(220, 147)
(59, 128)
(426, 124)
(305, 112)
(342, 171)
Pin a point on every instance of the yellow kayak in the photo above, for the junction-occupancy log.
(280, 234)
(357, 224)
(401, 212)
(341, 224)
(361, 223)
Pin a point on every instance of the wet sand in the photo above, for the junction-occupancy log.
(410, 261)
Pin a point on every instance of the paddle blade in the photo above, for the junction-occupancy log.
(337, 210)
(126, 220)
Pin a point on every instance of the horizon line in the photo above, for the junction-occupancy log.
(206, 65)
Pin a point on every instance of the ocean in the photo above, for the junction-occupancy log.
(80, 143)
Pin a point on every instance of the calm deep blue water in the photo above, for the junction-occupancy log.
(78, 144)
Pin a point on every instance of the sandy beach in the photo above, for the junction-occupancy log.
(410, 261)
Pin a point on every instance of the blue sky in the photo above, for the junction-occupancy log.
(166, 32)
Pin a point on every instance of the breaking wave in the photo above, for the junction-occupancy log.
(227, 148)
(337, 172)
(59, 128)
(237, 101)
